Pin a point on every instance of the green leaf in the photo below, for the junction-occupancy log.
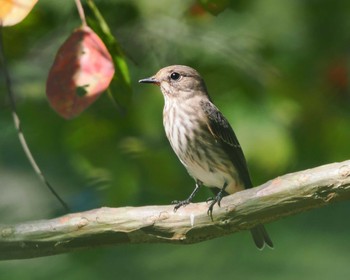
(120, 87)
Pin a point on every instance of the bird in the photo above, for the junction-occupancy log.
(203, 139)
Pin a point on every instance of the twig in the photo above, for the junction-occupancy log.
(17, 124)
(81, 12)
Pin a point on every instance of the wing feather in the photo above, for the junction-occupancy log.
(220, 128)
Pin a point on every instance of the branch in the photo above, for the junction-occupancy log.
(17, 124)
(281, 197)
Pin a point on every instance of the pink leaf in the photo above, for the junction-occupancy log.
(82, 70)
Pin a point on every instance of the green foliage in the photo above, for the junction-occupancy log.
(277, 69)
(120, 88)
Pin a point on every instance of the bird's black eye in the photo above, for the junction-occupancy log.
(175, 76)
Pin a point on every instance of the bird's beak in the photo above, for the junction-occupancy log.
(151, 80)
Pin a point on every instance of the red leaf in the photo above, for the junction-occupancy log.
(82, 70)
(338, 73)
(215, 7)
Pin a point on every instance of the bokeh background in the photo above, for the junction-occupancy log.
(278, 70)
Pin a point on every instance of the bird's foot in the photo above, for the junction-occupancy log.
(213, 201)
(180, 203)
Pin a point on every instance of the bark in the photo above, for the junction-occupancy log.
(284, 196)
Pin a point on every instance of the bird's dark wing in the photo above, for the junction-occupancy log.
(224, 134)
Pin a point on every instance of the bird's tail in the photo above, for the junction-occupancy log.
(259, 233)
(261, 237)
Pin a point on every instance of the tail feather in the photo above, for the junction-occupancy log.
(259, 233)
(261, 237)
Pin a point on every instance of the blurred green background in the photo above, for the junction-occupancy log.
(279, 71)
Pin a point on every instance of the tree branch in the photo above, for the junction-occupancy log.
(281, 197)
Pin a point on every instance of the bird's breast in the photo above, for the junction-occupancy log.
(181, 125)
(197, 149)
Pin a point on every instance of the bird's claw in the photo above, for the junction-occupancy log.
(214, 200)
(210, 211)
(180, 203)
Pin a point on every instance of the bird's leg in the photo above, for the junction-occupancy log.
(180, 203)
(216, 199)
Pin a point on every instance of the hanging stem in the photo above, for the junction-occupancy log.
(81, 12)
(17, 124)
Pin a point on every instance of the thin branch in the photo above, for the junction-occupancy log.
(81, 12)
(18, 127)
(281, 197)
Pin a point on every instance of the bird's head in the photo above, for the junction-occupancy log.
(178, 81)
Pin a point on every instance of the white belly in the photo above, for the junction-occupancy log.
(215, 177)
(211, 179)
